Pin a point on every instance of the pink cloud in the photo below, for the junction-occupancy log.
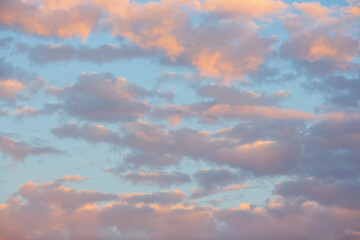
(116, 99)
(318, 45)
(313, 9)
(72, 178)
(162, 198)
(17, 83)
(10, 88)
(88, 132)
(19, 151)
(227, 111)
(208, 50)
(245, 9)
(43, 213)
(163, 179)
(47, 20)
(322, 39)
(149, 25)
(66, 198)
(158, 28)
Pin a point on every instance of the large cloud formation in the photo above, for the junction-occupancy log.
(160, 27)
(65, 213)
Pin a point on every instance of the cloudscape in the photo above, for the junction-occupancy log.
(180, 120)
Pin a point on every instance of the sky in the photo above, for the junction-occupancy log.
(179, 119)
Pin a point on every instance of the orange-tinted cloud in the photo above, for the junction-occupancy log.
(9, 89)
(163, 179)
(317, 45)
(157, 28)
(228, 111)
(19, 151)
(64, 19)
(88, 132)
(60, 211)
(149, 25)
(116, 99)
(245, 9)
(161, 198)
(313, 9)
(322, 39)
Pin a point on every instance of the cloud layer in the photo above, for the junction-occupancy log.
(70, 214)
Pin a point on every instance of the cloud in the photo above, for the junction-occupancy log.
(339, 92)
(153, 146)
(313, 9)
(5, 42)
(344, 193)
(212, 112)
(213, 45)
(208, 46)
(203, 192)
(162, 223)
(45, 19)
(318, 46)
(66, 198)
(138, 159)
(233, 116)
(26, 111)
(87, 132)
(169, 35)
(325, 148)
(245, 9)
(233, 112)
(17, 83)
(163, 179)
(287, 220)
(103, 97)
(62, 211)
(162, 198)
(9, 88)
(216, 181)
(262, 130)
(261, 147)
(19, 151)
(221, 102)
(144, 25)
(46, 54)
(219, 177)
(260, 157)
(322, 40)
(331, 149)
(72, 178)
(218, 51)
(4, 112)
(332, 134)
(270, 156)
(234, 96)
